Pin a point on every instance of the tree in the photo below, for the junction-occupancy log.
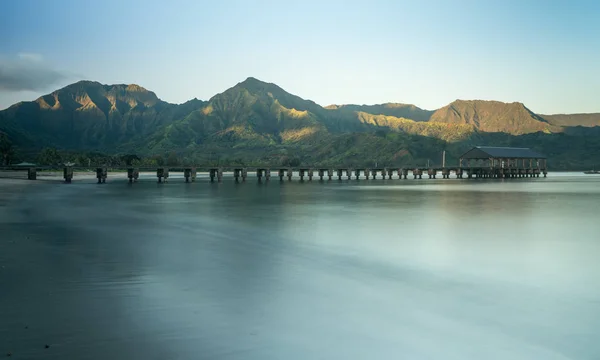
(172, 159)
(285, 161)
(130, 159)
(83, 160)
(295, 162)
(50, 156)
(158, 160)
(7, 150)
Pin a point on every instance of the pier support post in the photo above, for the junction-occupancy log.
(417, 173)
(281, 174)
(329, 173)
(187, 173)
(244, 174)
(357, 174)
(374, 173)
(445, 173)
(349, 174)
(267, 174)
(290, 173)
(321, 174)
(310, 174)
(340, 173)
(68, 174)
(130, 174)
(301, 174)
(193, 174)
(259, 174)
(160, 174)
(367, 173)
(236, 174)
(31, 173)
(212, 173)
(101, 174)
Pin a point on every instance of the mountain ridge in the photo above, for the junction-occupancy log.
(254, 118)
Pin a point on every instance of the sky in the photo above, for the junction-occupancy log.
(545, 54)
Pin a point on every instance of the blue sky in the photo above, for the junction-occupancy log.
(545, 54)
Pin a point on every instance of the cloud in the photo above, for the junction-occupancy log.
(31, 57)
(27, 72)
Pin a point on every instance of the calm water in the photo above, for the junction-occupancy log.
(400, 269)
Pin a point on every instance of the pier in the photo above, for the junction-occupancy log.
(478, 163)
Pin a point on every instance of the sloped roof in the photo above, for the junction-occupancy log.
(485, 152)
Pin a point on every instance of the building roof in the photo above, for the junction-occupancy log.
(486, 152)
(24, 164)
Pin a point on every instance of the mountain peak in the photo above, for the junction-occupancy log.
(251, 80)
(255, 85)
(135, 88)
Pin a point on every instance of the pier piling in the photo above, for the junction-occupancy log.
(68, 174)
(31, 173)
(162, 174)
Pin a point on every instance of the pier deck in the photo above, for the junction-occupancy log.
(479, 162)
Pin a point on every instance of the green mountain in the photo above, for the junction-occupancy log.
(256, 121)
(406, 111)
(89, 115)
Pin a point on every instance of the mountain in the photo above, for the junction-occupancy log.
(406, 111)
(258, 114)
(90, 115)
(252, 113)
(258, 121)
(493, 116)
(585, 120)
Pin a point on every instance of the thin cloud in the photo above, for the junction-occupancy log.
(31, 57)
(27, 72)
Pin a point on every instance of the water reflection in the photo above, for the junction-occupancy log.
(430, 269)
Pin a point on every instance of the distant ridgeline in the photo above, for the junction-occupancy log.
(259, 123)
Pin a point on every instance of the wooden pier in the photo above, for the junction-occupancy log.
(477, 163)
